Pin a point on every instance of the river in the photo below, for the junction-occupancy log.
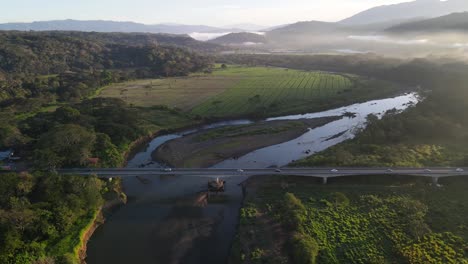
(167, 221)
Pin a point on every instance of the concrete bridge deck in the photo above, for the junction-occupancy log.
(324, 173)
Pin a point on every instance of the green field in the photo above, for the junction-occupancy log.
(365, 219)
(248, 91)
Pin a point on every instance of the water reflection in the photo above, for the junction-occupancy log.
(320, 138)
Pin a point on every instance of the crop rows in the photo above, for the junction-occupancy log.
(274, 89)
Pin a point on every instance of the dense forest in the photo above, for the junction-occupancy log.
(42, 215)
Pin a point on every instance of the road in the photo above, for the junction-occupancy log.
(309, 172)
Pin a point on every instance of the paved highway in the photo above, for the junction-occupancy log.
(309, 172)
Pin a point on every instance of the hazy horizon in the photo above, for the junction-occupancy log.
(219, 13)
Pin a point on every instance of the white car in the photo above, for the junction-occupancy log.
(334, 170)
(427, 170)
(389, 170)
(167, 170)
(459, 170)
(240, 170)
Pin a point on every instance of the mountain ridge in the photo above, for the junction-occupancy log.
(451, 22)
(406, 11)
(112, 26)
(239, 39)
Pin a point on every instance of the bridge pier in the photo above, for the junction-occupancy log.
(324, 180)
(435, 180)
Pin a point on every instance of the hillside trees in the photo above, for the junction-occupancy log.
(38, 212)
(72, 66)
(65, 145)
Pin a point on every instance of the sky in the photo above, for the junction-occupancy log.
(196, 12)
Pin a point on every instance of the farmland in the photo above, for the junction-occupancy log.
(357, 220)
(251, 91)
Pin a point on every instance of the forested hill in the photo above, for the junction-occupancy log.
(60, 51)
(55, 52)
(27, 58)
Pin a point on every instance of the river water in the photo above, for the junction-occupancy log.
(167, 220)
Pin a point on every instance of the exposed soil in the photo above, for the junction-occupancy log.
(210, 147)
(97, 222)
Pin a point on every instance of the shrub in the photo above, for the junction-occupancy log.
(304, 249)
(66, 259)
(294, 211)
(340, 199)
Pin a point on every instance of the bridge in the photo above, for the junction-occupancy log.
(323, 173)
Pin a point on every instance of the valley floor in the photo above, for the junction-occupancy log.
(241, 91)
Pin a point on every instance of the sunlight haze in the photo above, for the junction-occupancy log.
(207, 12)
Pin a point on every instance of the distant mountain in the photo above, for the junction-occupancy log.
(246, 27)
(452, 22)
(111, 26)
(306, 27)
(310, 28)
(407, 11)
(243, 38)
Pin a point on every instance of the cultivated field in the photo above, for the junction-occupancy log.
(274, 90)
(182, 92)
(248, 91)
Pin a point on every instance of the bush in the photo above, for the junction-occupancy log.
(340, 199)
(66, 259)
(304, 249)
(294, 212)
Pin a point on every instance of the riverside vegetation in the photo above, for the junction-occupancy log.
(44, 217)
(353, 220)
(432, 133)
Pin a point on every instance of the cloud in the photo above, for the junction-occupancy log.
(384, 39)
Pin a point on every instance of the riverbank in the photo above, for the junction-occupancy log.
(96, 221)
(207, 148)
(113, 199)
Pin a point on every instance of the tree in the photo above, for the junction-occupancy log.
(108, 154)
(304, 249)
(66, 145)
(340, 199)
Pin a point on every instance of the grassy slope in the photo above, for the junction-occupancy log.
(246, 91)
(387, 220)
